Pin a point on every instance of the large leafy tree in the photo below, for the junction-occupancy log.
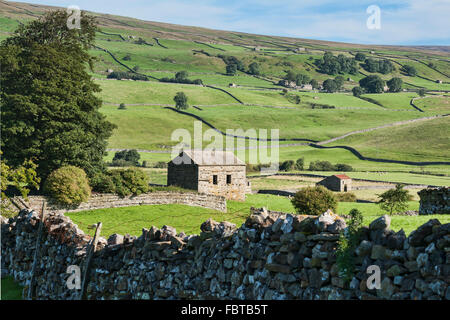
(49, 109)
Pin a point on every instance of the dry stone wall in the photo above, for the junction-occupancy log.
(100, 201)
(434, 201)
(271, 256)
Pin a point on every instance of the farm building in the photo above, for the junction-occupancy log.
(338, 182)
(211, 172)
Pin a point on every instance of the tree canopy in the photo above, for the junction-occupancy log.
(49, 110)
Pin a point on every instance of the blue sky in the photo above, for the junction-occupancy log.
(404, 22)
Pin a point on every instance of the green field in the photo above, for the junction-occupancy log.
(10, 290)
(188, 219)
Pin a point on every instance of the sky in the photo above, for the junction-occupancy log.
(403, 22)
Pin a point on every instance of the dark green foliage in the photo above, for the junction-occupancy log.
(332, 65)
(330, 86)
(395, 85)
(255, 167)
(181, 101)
(302, 79)
(409, 70)
(122, 106)
(360, 56)
(160, 164)
(103, 183)
(343, 167)
(314, 200)
(339, 80)
(136, 68)
(421, 92)
(68, 185)
(181, 77)
(328, 166)
(128, 157)
(300, 163)
(372, 84)
(321, 166)
(131, 181)
(119, 75)
(253, 69)
(231, 69)
(382, 66)
(49, 108)
(290, 76)
(346, 197)
(230, 60)
(288, 165)
(348, 242)
(357, 91)
(395, 200)
(127, 58)
(314, 83)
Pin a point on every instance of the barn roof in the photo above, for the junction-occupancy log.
(211, 158)
(342, 176)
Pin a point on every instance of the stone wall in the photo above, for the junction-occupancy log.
(434, 201)
(271, 256)
(100, 201)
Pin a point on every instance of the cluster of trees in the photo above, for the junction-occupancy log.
(409, 70)
(333, 85)
(299, 164)
(381, 66)
(360, 56)
(374, 84)
(182, 77)
(126, 158)
(328, 166)
(119, 75)
(233, 65)
(333, 65)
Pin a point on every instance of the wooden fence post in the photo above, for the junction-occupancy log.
(37, 250)
(90, 252)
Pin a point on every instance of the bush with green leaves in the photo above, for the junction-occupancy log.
(395, 200)
(68, 185)
(348, 242)
(300, 163)
(314, 200)
(343, 167)
(288, 165)
(125, 158)
(131, 181)
(321, 166)
(346, 197)
(395, 84)
(357, 91)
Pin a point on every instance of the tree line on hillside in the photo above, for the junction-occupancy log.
(182, 77)
(233, 65)
(299, 165)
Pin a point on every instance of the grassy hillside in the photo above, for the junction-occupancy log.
(160, 50)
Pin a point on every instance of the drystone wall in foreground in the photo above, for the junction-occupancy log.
(271, 256)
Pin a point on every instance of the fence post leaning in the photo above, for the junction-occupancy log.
(90, 252)
(37, 249)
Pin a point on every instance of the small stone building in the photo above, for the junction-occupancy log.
(338, 182)
(211, 172)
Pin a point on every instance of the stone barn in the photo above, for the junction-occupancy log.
(338, 182)
(211, 172)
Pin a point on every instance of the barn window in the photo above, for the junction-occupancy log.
(214, 179)
(228, 178)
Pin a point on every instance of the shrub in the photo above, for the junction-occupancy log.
(300, 163)
(357, 91)
(131, 181)
(126, 158)
(122, 106)
(314, 200)
(160, 164)
(343, 167)
(395, 200)
(68, 185)
(288, 165)
(346, 197)
(321, 166)
(103, 183)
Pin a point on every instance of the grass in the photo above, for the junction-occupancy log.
(10, 290)
(188, 219)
